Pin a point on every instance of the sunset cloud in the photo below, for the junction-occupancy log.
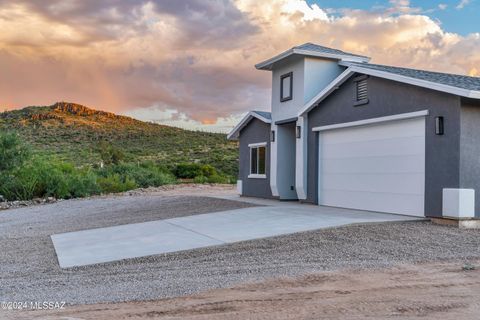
(192, 61)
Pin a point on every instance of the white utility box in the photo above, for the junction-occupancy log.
(459, 203)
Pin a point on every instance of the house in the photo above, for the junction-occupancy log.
(343, 132)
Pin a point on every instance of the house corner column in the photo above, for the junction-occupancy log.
(273, 163)
(301, 159)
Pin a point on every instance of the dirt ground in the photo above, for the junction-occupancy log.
(427, 291)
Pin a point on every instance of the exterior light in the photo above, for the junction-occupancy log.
(439, 129)
(299, 132)
(272, 136)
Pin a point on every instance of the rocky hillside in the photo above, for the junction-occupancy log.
(73, 132)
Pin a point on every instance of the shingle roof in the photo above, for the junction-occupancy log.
(266, 115)
(261, 115)
(314, 50)
(454, 80)
(315, 47)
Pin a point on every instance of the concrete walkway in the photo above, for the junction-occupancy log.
(157, 237)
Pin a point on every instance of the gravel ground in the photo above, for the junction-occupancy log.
(29, 270)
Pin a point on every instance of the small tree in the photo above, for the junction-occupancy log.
(13, 152)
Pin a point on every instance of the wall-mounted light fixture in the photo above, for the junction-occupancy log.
(439, 128)
(272, 136)
(298, 132)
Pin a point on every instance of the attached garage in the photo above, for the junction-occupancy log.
(376, 164)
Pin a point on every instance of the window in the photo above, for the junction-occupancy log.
(361, 90)
(257, 160)
(286, 87)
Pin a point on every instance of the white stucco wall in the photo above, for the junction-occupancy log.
(318, 74)
(288, 109)
(310, 76)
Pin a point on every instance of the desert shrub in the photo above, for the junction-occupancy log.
(200, 173)
(218, 179)
(110, 154)
(13, 152)
(200, 179)
(115, 183)
(19, 185)
(187, 170)
(42, 177)
(146, 174)
(83, 183)
(208, 170)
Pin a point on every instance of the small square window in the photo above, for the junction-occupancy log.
(286, 87)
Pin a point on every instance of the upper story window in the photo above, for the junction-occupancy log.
(286, 87)
(361, 90)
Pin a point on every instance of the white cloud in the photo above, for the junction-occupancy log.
(442, 6)
(147, 58)
(462, 4)
(309, 13)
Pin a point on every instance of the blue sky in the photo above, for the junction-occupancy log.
(461, 19)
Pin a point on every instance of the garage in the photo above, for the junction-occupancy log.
(376, 165)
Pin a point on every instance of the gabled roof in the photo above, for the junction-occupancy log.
(312, 50)
(463, 86)
(260, 115)
(264, 114)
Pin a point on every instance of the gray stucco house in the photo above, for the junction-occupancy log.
(343, 132)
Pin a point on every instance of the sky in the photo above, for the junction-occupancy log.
(190, 63)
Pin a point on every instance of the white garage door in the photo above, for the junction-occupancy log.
(378, 167)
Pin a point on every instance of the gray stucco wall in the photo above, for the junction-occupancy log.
(286, 161)
(470, 149)
(387, 98)
(256, 131)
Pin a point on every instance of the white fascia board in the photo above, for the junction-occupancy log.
(401, 116)
(326, 91)
(334, 56)
(267, 64)
(416, 82)
(234, 133)
(259, 144)
(264, 64)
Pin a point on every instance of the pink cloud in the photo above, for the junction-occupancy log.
(196, 57)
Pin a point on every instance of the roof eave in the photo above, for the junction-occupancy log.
(268, 64)
(418, 82)
(233, 135)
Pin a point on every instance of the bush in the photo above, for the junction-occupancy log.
(48, 177)
(18, 186)
(187, 170)
(111, 154)
(218, 179)
(145, 175)
(13, 153)
(115, 183)
(200, 179)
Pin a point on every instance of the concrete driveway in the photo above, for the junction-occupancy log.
(272, 218)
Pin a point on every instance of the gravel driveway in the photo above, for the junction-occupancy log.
(29, 269)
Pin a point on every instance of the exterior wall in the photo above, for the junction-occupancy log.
(256, 131)
(310, 76)
(286, 161)
(470, 150)
(318, 74)
(287, 109)
(442, 154)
